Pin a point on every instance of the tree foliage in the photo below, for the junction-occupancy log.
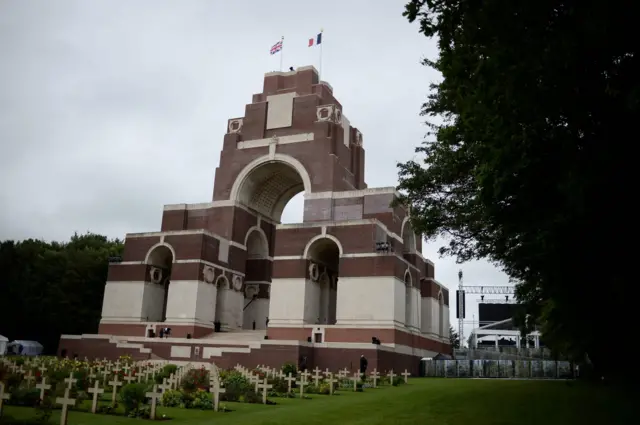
(48, 289)
(454, 338)
(529, 165)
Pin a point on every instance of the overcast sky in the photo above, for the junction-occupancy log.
(111, 109)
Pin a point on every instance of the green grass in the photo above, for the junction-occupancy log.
(423, 401)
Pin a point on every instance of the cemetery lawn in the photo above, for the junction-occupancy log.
(423, 401)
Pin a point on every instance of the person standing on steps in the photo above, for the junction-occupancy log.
(363, 366)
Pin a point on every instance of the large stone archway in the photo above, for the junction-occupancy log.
(267, 184)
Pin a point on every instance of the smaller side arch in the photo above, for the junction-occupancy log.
(255, 229)
(408, 239)
(158, 245)
(317, 238)
(408, 279)
(222, 282)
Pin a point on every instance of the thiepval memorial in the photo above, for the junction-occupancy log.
(236, 286)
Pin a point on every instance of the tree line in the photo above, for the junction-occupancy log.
(51, 288)
(529, 165)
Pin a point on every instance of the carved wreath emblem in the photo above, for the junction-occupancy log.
(209, 274)
(237, 283)
(250, 290)
(314, 272)
(155, 274)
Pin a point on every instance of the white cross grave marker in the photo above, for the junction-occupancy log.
(256, 381)
(3, 396)
(154, 395)
(391, 375)
(216, 390)
(115, 384)
(70, 380)
(331, 380)
(43, 386)
(375, 375)
(165, 385)
(29, 377)
(65, 402)
(316, 376)
(130, 378)
(406, 375)
(301, 383)
(265, 387)
(356, 379)
(290, 379)
(96, 391)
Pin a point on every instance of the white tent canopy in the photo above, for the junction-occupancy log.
(29, 348)
(3, 345)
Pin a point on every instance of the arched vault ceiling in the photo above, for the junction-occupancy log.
(269, 187)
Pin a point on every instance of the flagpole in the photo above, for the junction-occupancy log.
(281, 52)
(320, 64)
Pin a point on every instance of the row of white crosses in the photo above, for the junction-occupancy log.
(261, 385)
(328, 377)
(167, 384)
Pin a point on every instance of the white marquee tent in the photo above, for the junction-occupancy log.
(29, 348)
(3, 345)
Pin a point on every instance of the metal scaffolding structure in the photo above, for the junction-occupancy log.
(476, 290)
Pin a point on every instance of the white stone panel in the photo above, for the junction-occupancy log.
(346, 127)
(414, 305)
(206, 303)
(435, 315)
(399, 301)
(258, 310)
(425, 322)
(312, 294)
(417, 310)
(446, 322)
(123, 301)
(280, 110)
(152, 302)
(370, 300)
(181, 351)
(223, 251)
(231, 305)
(286, 304)
(431, 315)
(182, 301)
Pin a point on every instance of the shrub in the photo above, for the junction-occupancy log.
(44, 409)
(250, 396)
(201, 400)
(14, 380)
(289, 368)
(280, 385)
(25, 397)
(132, 396)
(142, 412)
(196, 379)
(236, 386)
(172, 398)
(166, 372)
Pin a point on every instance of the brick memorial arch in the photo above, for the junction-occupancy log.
(226, 274)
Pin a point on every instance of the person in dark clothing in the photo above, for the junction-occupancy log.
(363, 365)
(302, 364)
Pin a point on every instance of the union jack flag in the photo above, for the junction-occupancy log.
(276, 47)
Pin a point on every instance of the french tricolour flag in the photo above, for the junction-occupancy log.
(317, 40)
